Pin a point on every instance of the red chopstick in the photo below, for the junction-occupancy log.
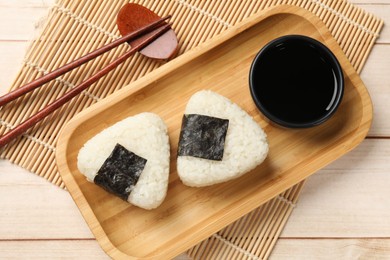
(20, 129)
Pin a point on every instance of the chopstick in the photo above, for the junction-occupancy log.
(76, 63)
(20, 129)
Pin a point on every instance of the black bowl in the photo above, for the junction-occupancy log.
(296, 81)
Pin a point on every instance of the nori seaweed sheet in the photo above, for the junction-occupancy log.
(203, 137)
(120, 172)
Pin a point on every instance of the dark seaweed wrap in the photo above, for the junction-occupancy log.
(120, 172)
(203, 137)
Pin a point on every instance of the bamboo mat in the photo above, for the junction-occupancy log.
(74, 28)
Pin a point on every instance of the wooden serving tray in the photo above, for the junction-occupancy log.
(189, 215)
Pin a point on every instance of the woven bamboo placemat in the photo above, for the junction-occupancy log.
(74, 28)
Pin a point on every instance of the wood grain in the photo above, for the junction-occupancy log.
(12, 56)
(71, 224)
(51, 249)
(378, 84)
(20, 19)
(343, 198)
(323, 249)
(158, 92)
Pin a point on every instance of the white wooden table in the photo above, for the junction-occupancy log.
(343, 213)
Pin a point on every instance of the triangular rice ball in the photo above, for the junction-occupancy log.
(134, 140)
(245, 144)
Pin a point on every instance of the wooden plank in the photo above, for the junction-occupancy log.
(21, 22)
(51, 249)
(324, 249)
(377, 80)
(34, 208)
(368, 2)
(27, 17)
(349, 198)
(55, 249)
(26, 3)
(11, 54)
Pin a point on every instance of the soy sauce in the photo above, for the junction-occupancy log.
(295, 82)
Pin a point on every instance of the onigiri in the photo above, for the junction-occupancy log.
(218, 142)
(130, 159)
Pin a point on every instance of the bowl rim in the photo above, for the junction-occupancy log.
(328, 56)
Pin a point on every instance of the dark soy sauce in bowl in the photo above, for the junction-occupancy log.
(296, 81)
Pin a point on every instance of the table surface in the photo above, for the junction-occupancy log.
(343, 212)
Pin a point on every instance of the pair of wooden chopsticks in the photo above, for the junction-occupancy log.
(155, 29)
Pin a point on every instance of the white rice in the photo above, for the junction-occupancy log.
(145, 135)
(245, 143)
